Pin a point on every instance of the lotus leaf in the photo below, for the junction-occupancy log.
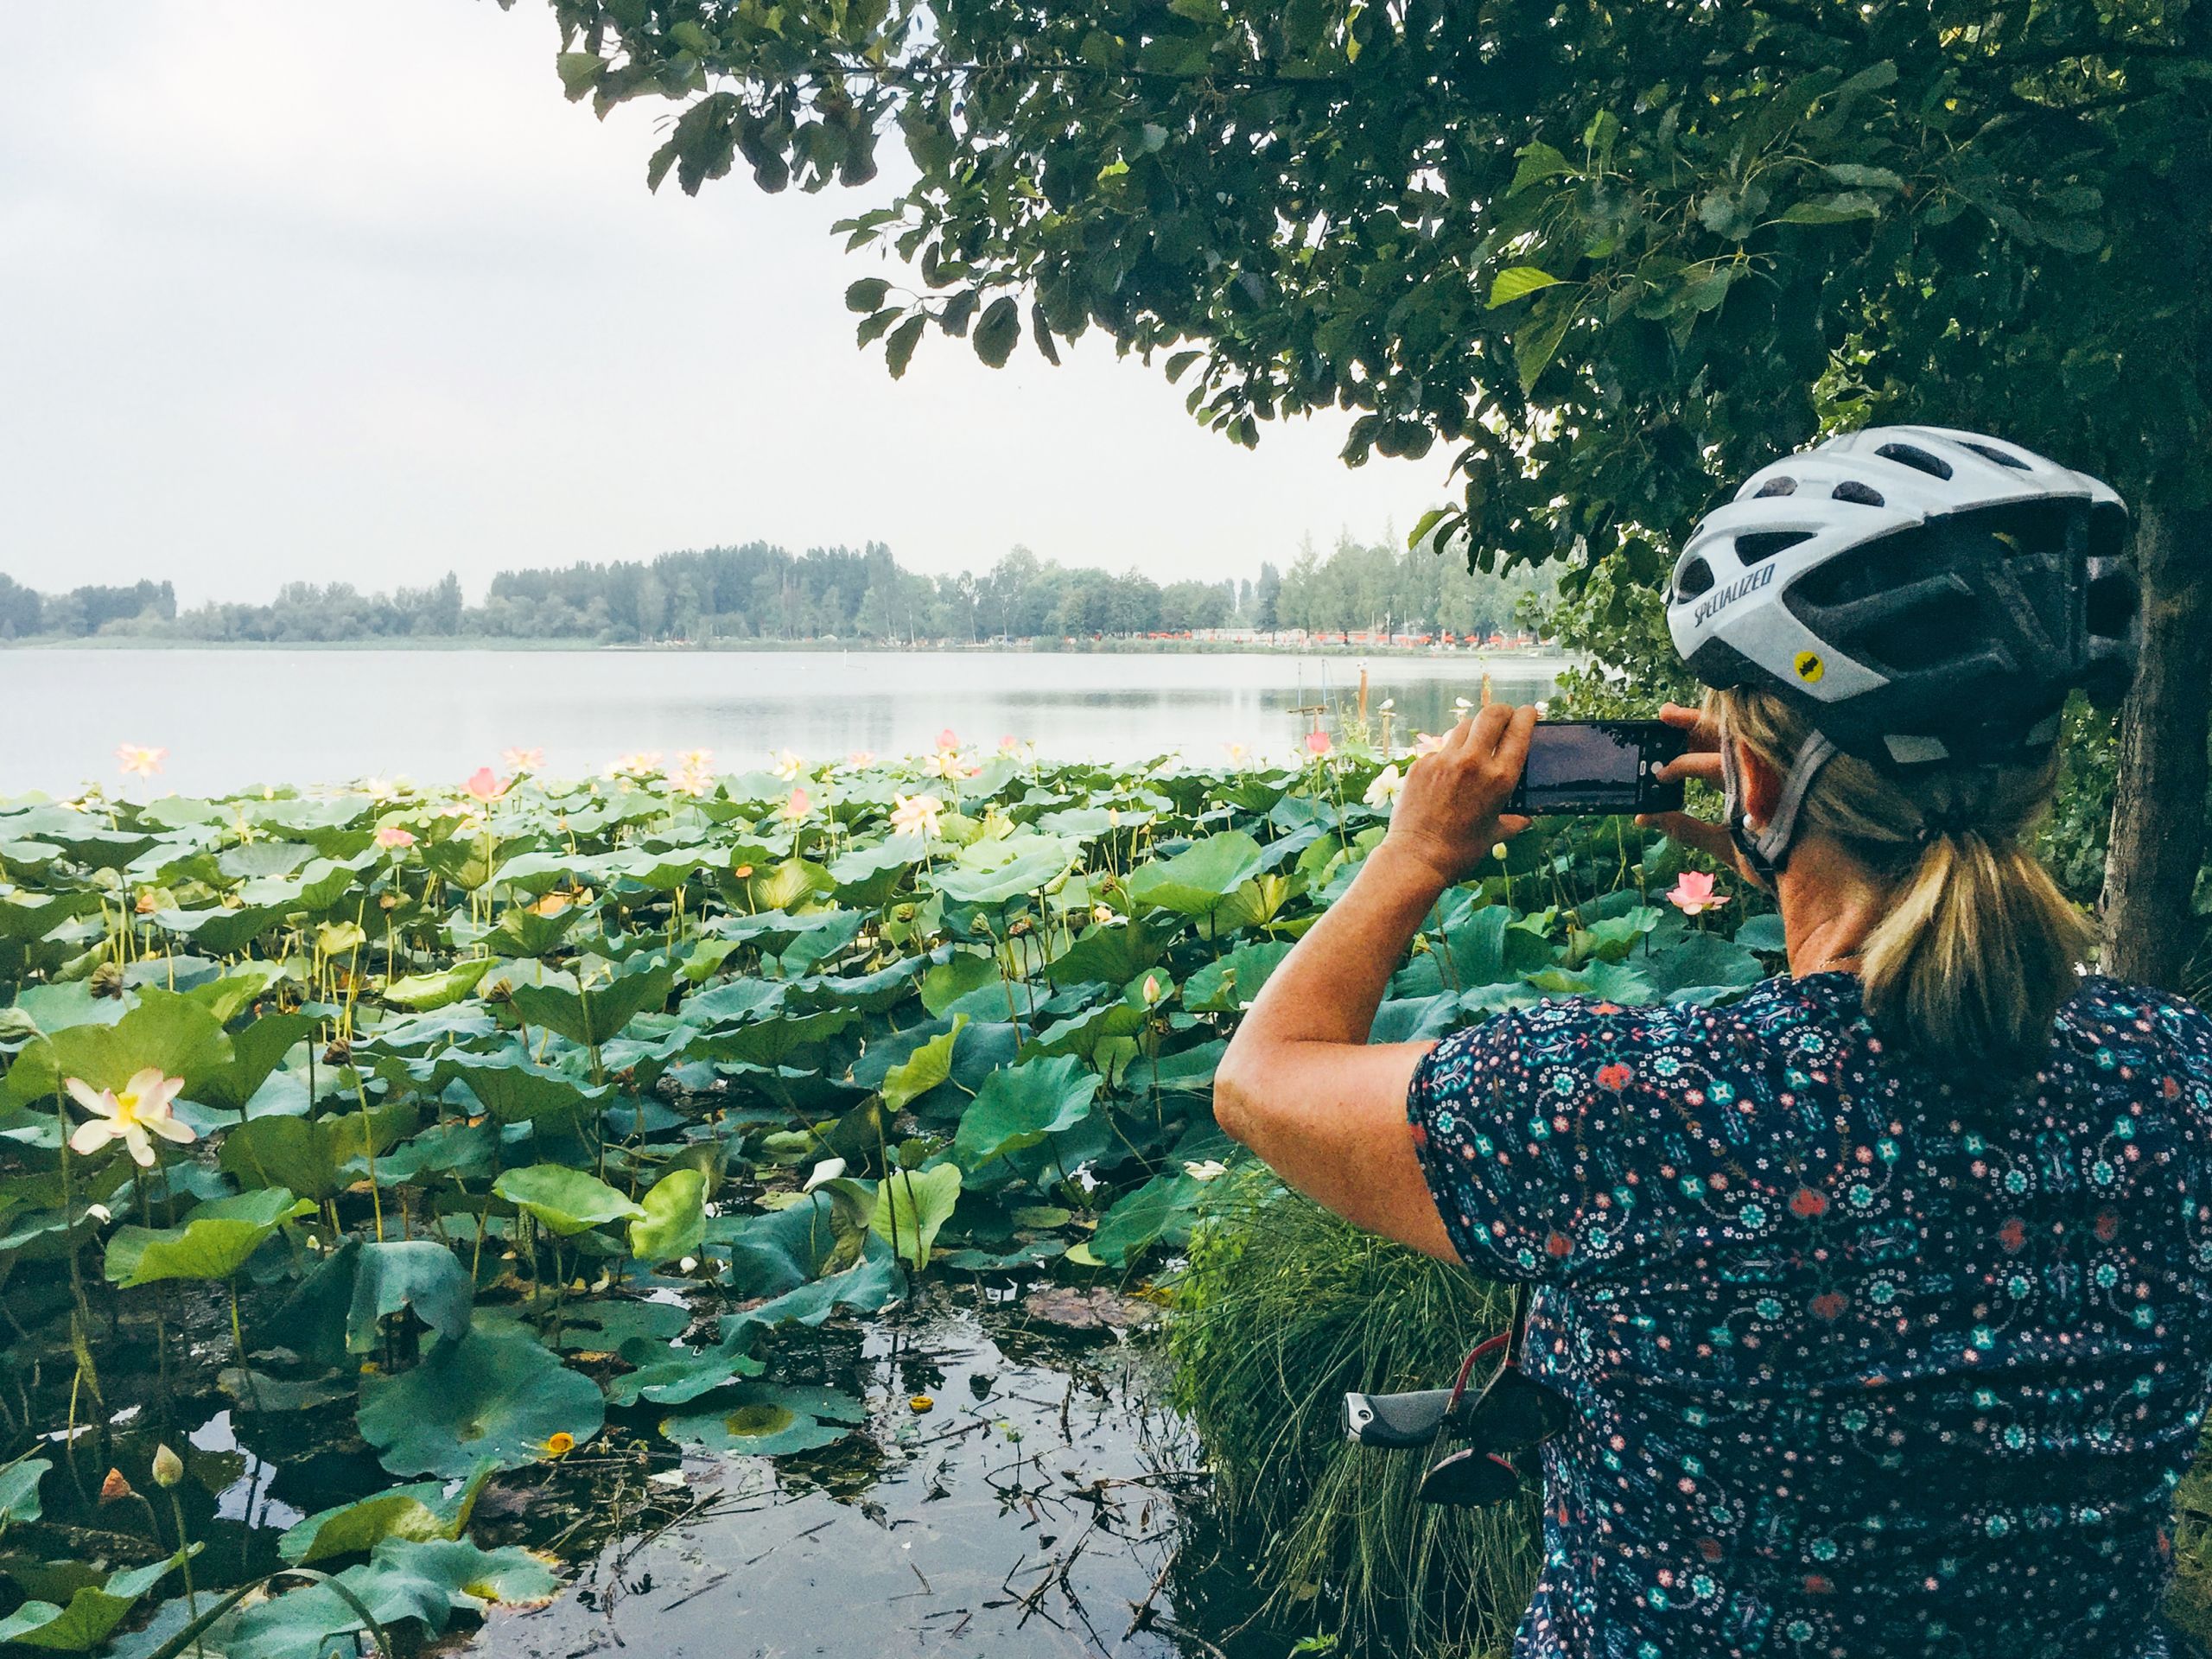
(594, 1016)
(948, 981)
(910, 1205)
(1158, 1211)
(311, 1157)
(166, 1031)
(420, 1512)
(426, 992)
(767, 1421)
(1021, 1105)
(403, 1580)
(1197, 880)
(490, 1395)
(514, 1091)
(991, 873)
(19, 1489)
(926, 1068)
(214, 1243)
(674, 1221)
(1229, 984)
(255, 1052)
(564, 1201)
(396, 1274)
(92, 1613)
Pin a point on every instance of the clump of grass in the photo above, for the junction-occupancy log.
(1282, 1309)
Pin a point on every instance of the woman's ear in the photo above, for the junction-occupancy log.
(1762, 784)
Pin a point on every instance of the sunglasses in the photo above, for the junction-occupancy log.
(1511, 1413)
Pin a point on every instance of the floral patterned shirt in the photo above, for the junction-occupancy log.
(1861, 1362)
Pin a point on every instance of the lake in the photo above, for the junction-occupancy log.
(233, 718)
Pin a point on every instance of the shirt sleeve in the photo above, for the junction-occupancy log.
(1534, 1132)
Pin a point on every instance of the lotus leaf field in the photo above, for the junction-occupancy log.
(516, 1135)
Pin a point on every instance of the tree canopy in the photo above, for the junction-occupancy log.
(1618, 255)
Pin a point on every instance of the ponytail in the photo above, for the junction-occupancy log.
(1978, 947)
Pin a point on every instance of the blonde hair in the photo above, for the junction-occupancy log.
(1978, 946)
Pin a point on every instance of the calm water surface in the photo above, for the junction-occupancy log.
(233, 718)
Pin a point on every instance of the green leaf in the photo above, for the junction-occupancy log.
(1535, 344)
(310, 1156)
(993, 872)
(925, 1069)
(92, 1613)
(1834, 210)
(579, 73)
(1198, 879)
(910, 1205)
(565, 1201)
(998, 331)
(214, 1245)
(595, 1015)
(674, 1224)
(867, 295)
(1538, 163)
(1160, 1210)
(1864, 178)
(899, 346)
(166, 1031)
(421, 992)
(947, 982)
(514, 1091)
(1019, 1105)
(420, 1512)
(493, 1396)
(1517, 283)
(764, 1420)
(420, 1273)
(19, 1490)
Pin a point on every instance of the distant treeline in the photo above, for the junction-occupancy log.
(760, 592)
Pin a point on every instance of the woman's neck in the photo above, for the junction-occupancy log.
(1830, 902)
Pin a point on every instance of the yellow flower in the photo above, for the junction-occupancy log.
(560, 1445)
(140, 1111)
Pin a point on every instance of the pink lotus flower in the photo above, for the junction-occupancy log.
(1318, 743)
(1694, 895)
(137, 758)
(797, 806)
(861, 758)
(915, 815)
(1009, 742)
(948, 738)
(483, 785)
(1427, 743)
(140, 1111)
(523, 759)
(391, 838)
(1234, 752)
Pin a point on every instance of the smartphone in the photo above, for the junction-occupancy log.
(1598, 765)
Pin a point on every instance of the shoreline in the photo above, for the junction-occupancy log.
(433, 646)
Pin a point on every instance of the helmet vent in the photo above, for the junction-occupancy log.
(1695, 577)
(1852, 490)
(1987, 453)
(1762, 545)
(1907, 455)
(1776, 486)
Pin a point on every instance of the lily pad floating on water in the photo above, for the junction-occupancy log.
(492, 1395)
(92, 1613)
(766, 1420)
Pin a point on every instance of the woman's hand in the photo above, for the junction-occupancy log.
(1701, 759)
(1448, 813)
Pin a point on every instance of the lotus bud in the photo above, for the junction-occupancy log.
(168, 1468)
(107, 979)
(115, 1488)
(16, 1027)
(1151, 989)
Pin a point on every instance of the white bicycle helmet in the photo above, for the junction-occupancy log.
(1926, 596)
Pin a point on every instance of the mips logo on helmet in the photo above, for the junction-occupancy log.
(1720, 599)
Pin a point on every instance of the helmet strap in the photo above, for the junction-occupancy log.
(1767, 850)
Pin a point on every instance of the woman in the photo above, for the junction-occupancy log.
(1882, 1297)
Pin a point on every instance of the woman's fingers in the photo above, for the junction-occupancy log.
(1681, 719)
(1705, 766)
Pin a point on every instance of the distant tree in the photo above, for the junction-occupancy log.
(1187, 606)
(1267, 597)
(20, 609)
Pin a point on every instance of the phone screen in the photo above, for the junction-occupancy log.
(1596, 766)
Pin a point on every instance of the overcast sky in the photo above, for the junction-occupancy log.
(347, 290)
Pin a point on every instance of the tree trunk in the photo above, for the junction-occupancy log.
(2159, 805)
